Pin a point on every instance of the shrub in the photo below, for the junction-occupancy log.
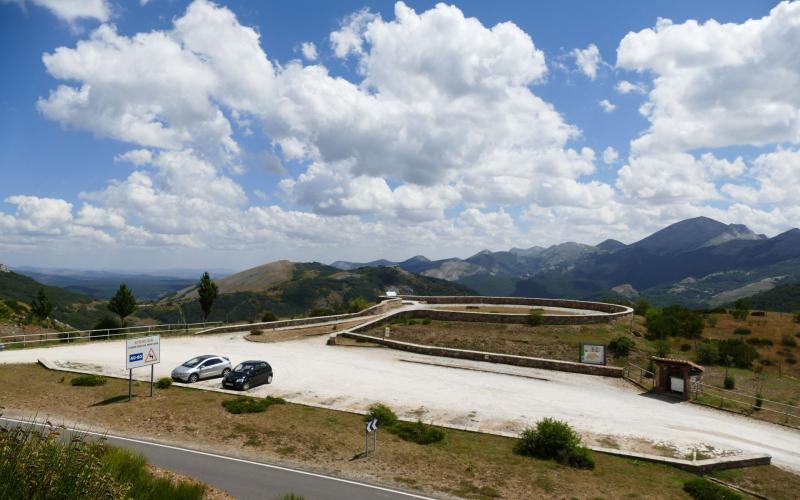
(758, 313)
(107, 326)
(740, 354)
(742, 331)
(641, 307)
(788, 341)
(245, 404)
(741, 309)
(703, 489)
(164, 383)
(268, 316)
(759, 402)
(553, 440)
(621, 346)
(426, 321)
(791, 360)
(759, 341)
(357, 304)
(686, 347)
(89, 380)
(651, 368)
(417, 432)
(797, 317)
(730, 382)
(292, 496)
(707, 353)
(256, 332)
(535, 318)
(674, 321)
(386, 417)
(662, 348)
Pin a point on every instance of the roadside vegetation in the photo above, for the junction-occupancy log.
(37, 463)
(463, 464)
(246, 404)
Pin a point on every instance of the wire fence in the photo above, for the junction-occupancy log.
(37, 339)
(639, 376)
(748, 404)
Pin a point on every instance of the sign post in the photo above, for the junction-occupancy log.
(593, 354)
(372, 426)
(142, 351)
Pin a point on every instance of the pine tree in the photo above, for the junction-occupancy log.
(123, 304)
(208, 292)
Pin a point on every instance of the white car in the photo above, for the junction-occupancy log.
(206, 366)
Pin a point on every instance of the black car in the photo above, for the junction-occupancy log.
(248, 374)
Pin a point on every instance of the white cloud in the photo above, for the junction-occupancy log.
(610, 155)
(137, 157)
(607, 105)
(626, 87)
(73, 10)
(587, 60)
(349, 38)
(309, 51)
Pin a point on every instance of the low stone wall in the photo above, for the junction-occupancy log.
(508, 359)
(697, 466)
(380, 308)
(507, 318)
(608, 313)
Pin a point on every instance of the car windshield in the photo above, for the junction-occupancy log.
(193, 362)
(241, 367)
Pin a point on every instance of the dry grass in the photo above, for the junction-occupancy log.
(468, 464)
(277, 335)
(553, 342)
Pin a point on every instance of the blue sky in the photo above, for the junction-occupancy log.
(72, 198)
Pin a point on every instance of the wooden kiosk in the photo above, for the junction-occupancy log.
(678, 377)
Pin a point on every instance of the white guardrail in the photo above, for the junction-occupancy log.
(100, 334)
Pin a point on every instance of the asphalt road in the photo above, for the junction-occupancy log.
(246, 479)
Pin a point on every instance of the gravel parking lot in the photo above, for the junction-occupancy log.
(465, 394)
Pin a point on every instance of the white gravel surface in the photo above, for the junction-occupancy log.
(458, 393)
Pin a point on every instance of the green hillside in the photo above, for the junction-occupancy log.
(17, 287)
(784, 298)
(309, 286)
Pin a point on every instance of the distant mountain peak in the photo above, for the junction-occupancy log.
(692, 234)
(610, 245)
(418, 258)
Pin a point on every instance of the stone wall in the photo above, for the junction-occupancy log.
(508, 359)
(607, 309)
(380, 308)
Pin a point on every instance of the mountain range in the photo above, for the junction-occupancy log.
(696, 262)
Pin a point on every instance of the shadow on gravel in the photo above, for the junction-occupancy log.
(115, 399)
(667, 398)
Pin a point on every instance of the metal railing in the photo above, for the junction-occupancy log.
(749, 403)
(640, 376)
(103, 333)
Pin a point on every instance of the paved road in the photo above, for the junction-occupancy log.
(246, 479)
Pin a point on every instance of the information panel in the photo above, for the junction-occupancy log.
(593, 354)
(142, 351)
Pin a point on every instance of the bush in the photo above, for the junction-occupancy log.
(788, 341)
(245, 404)
(426, 321)
(674, 321)
(535, 318)
(740, 354)
(386, 417)
(686, 347)
(651, 368)
(758, 313)
(164, 383)
(554, 440)
(107, 325)
(641, 307)
(791, 360)
(357, 304)
(417, 432)
(256, 332)
(759, 341)
(796, 317)
(730, 382)
(703, 489)
(707, 353)
(89, 381)
(742, 331)
(621, 346)
(662, 348)
(759, 402)
(268, 316)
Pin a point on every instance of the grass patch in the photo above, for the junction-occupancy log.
(703, 489)
(89, 381)
(246, 404)
(164, 383)
(417, 432)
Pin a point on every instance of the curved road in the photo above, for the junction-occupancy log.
(241, 478)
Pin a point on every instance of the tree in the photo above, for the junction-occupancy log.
(41, 307)
(123, 304)
(208, 292)
(674, 321)
(741, 309)
(357, 304)
(641, 307)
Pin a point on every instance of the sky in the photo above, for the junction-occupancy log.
(164, 133)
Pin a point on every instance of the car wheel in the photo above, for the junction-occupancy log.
(193, 378)
(269, 379)
(226, 371)
(246, 386)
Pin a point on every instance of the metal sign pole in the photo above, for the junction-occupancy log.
(151, 381)
(130, 383)
(376, 440)
(366, 441)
